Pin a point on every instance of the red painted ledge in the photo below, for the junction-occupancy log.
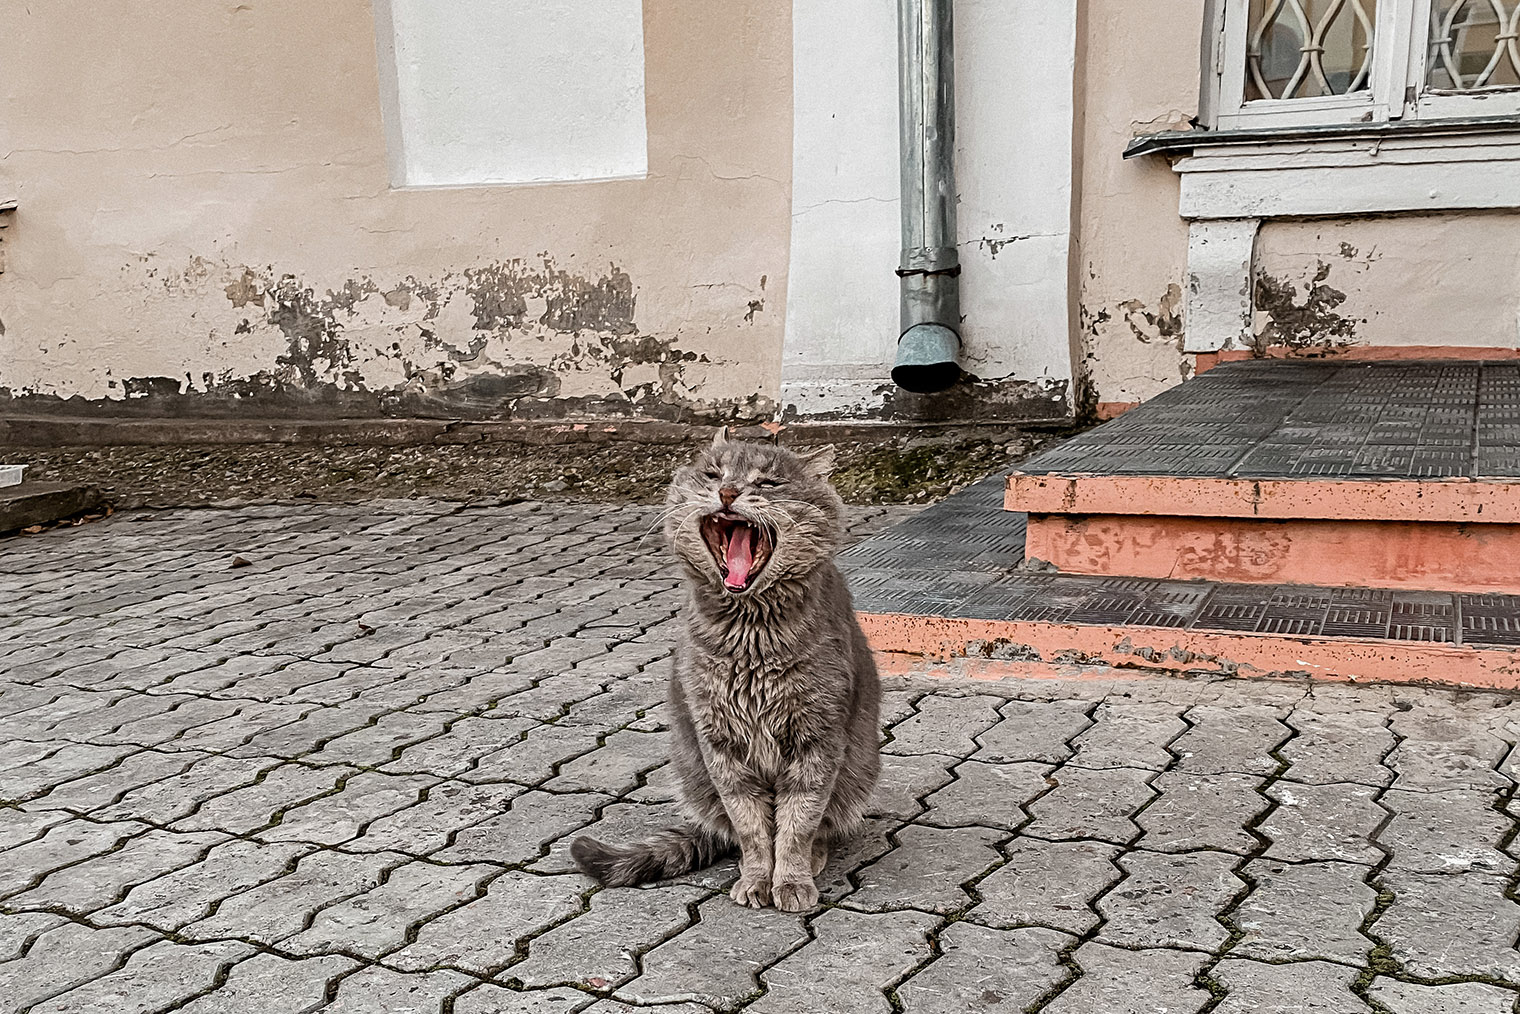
(1469, 501)
(1006, 648)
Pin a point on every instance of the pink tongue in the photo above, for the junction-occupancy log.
(741, 557)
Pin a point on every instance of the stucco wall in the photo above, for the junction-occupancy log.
(1449, 280)
(1014, 65)
(1140, 75)
(205, 225)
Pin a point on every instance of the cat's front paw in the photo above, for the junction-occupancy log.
(752, 891)
(795, 895)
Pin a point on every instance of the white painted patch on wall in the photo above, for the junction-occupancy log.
(512, 91)
(1014, 67)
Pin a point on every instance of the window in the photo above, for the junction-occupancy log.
(1281, 63)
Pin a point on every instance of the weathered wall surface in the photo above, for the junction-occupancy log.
(1140, 75)
(1408, 280)
(205, 226)
(1014, 65)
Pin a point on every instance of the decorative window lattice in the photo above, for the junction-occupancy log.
(1473, 44)
(1310, 48)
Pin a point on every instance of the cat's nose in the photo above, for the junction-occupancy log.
(728, 495)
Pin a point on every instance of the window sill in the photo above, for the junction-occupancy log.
(1345, 169)
(1185, 142)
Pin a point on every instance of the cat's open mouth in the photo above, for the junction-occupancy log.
(740, 546)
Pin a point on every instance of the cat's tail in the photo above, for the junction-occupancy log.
(667, 853)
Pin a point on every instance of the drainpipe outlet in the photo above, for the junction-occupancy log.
(926, 359)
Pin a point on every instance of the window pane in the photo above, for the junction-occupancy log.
(1472, 44)
(1304, 48)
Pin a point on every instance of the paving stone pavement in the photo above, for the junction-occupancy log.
(344, 777)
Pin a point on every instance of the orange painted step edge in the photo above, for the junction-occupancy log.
(1474, 501)
(1205, 361)
(1041, 646)
(1364, 554)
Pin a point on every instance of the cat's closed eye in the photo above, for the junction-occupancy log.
(768, 483)
(712, 474)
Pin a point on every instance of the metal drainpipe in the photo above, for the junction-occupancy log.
(929, 342)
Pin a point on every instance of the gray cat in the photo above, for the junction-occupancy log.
(774, 695)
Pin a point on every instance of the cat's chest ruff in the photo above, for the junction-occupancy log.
(755, 713)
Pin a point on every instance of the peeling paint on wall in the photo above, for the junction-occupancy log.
(506, 339)
(1162, 324)
(1312, 322)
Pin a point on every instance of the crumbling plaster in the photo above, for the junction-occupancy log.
(204, 210)
(1140, 75)
(1449, 279)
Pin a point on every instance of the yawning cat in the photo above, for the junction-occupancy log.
(774, 695)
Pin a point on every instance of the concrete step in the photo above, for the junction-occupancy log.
(1401, 475)
(953, 582)
(36, 503)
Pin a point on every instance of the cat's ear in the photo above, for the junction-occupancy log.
(720, 438)
(820, 462)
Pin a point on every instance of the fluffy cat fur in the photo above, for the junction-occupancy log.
(774, 695)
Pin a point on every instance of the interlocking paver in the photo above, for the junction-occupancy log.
(1092, 803)
(254, 804)
(846, 968)
(1198, 811)
(1338, 746)
(1443, 748)
(536, 757)
(18, 929)
(1331, 820)
(342, 816)
(430, 824)
(1310, 987)
(1308, 910)
(983, 969)
(458, 749)
(95, 883)
(1445, 832)
(1460, 998)
(376, 990)
(1033, 731)
(522, 832)
(1238, 739)
(280, 908)
(61, 958)
(484, 935)
(271, 984)
(944, 725)
(989, 794)
(492, 999)
(177, 899)
(153, 978)
(376, 922)
(926, 869)
(599, 949)
(615, 767)
(717, 959)
(1129, 735)
(61, 845)
(1170, 900)
(177, 796)
(1118, 981)
(1450, 925)
(906, 780)
(1047, 882)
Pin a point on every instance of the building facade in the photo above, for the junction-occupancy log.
(689, 210)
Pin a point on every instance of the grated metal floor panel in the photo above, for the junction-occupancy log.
(962, 558)
(1274, 419)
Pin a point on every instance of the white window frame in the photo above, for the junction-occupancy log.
(1396, 85)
